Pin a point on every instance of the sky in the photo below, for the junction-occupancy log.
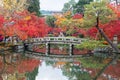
(52, 5)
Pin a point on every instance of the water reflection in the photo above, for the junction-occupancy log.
(16, 66)
(49, 72)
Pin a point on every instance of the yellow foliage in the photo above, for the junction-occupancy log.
(59, 21)
(67, 23)
(14, 5)
(59, 63)
(11, 6)
(67, 13)
(107, 60)
(27, 18)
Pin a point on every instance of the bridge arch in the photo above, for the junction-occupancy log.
(55, 40)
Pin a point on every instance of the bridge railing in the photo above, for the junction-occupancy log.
(56, 39)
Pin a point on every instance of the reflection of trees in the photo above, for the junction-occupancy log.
(75, 72)
(32, 75)
(49, 63)
(14, 67)
(70, 70)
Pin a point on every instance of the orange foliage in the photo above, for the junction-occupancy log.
(28, 65)
(68, 13)
(115, 8)
(32, 25)
(60, 63)
(24, 25)
(67, 22)
(105, 42)
(114, 70)
(24, 66)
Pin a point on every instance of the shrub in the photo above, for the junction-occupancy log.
(90, 44)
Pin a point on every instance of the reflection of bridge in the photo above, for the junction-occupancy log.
(55, 40)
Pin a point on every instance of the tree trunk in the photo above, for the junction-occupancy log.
(106, 38)
(111, 44)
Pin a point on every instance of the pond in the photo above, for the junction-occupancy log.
(24, 66)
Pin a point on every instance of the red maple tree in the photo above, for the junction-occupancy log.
(115, 8)
(111, 29)
(24, 25)
(77, 16)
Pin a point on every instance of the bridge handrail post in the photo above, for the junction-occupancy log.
(47, 48)
(71, 49)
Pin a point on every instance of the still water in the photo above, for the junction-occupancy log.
(19, 66)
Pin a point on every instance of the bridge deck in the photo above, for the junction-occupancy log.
(56, 40)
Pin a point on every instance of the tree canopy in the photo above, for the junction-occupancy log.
(69, 6)
(9, 7)
(98, 9)
(34, 6)
(50, 20)
(79, 7)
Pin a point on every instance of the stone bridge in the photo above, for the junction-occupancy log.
(71, 41)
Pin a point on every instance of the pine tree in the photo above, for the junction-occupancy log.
(34, 6)
(79, 7)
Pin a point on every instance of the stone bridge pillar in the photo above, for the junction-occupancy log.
(71, 49)
(47, 48)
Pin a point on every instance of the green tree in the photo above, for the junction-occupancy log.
(66, 7)
(98, 12)
(69, 6)
(50, 20)
(93, 9)
(79, 7)
(34, 6)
